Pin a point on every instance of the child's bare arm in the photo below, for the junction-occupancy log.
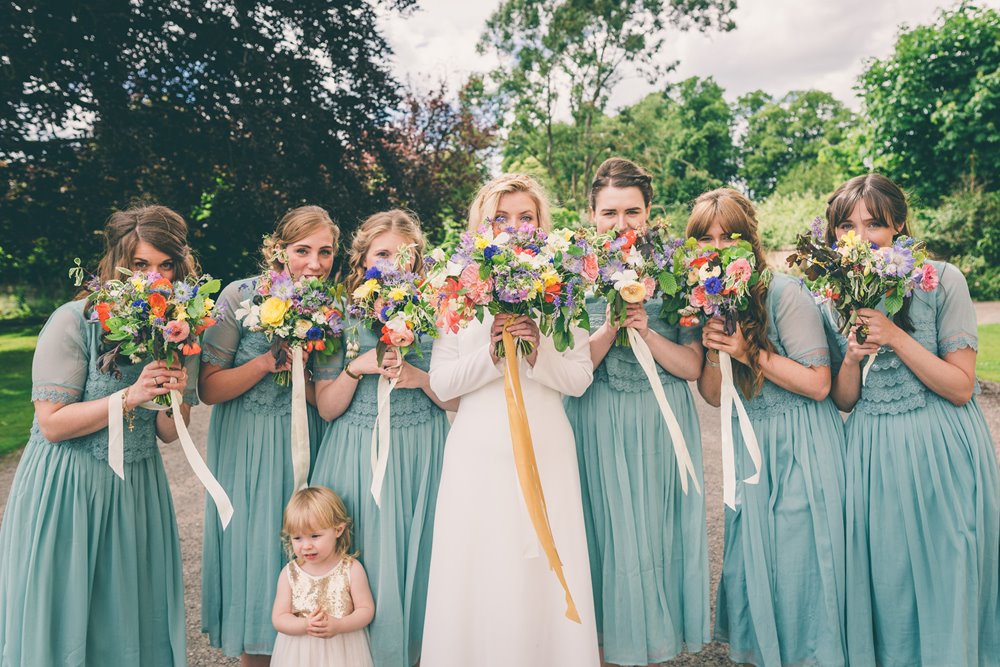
(282, 618)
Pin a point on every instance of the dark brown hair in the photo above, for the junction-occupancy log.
(886, 202)
(156, 225)
(617, 172)
(737, 216)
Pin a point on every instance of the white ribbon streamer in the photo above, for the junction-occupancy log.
(645, 358)
(300, 423)
(381, 437)
(730, 398)
(116, 449)
(868, 367)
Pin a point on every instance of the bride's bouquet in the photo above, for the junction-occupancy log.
(517, 271)
(306, 314)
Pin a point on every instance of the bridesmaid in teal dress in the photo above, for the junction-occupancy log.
(923, 491)
(394, 540)
(781, 600)
(90, 564)
(249, 448)
(647, 539)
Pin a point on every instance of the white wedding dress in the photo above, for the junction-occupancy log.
(492, 599)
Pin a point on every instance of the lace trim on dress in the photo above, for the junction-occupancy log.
(55, 395)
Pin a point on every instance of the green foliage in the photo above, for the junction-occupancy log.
(988, 359)
(967, 222)
(782, 217)
(983, 277)
(17, 347)
(783, 134)
(549, 46)
(934, 105)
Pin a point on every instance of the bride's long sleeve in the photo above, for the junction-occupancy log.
(569, 372)
(452, 375)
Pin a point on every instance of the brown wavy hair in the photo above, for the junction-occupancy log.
(886, 202)
(295, 225)
(488, 199)
(617, 172)
(737, 216)
(397, 220)
(159, 226)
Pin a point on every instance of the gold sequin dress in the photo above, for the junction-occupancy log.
(332, 592)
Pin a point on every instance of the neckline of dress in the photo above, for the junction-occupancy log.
(318, 576)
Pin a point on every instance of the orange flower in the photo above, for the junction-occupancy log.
(161, 283)
(190, 348)
(317, 345)
(157, 304)
(689, 321)
(103, 314)
(552, 291)
(205, 323)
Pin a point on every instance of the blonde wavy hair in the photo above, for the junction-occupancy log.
(488, 199)
(397, 220)
(737, 216)
(294, 226)
(316, 508)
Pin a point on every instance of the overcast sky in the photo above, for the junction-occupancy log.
(777, 46)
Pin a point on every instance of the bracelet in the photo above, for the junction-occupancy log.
(350, 374)
(713, 364)
(129, 413)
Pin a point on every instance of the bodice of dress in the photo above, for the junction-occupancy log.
(943, 321)
(65, 371)
(619, 368)
(331, 591)
(795, 328)
(229, 344)
(409, 407)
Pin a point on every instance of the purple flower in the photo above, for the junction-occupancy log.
(183, 292)
(373, 272)
(281, 286)
(818, 228)
(898, 261)
(490, 251)
(713, 285)
(141, 306)
(314, 333)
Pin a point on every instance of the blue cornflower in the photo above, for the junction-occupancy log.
(489, 251)
(141, 305)
(183, 292)
(314, 333)
(713, 285)
(373, 272)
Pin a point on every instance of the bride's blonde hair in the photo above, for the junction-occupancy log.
(487, 200)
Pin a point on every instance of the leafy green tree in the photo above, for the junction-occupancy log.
(782, 134)
(934, 104)
(583, 47)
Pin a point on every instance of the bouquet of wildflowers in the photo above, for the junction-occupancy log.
(624, 276)
(145, 315)
(718, 281)
(389, 300)
(518, 271)
(854, 274)
(307, 313)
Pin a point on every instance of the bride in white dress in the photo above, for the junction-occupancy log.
(492, 598)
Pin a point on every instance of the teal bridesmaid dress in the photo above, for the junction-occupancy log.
(923, 505)
(90, 564)
(647, 539)
(249, 452)
(394, 540)
(781, 599)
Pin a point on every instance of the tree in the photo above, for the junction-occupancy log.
(787, 135)
(934, 104)
(231, 112)
(583, 47)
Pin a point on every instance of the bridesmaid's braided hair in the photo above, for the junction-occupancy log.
(737, 216)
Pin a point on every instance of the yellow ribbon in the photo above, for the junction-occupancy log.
(527, 467)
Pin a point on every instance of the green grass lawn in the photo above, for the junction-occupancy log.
(988, 361)
(17, 345)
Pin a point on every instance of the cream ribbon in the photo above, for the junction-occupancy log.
(868, 367)
(116, 449)
(730, 398)
(381, 437)
(300, 423)
(645, 358)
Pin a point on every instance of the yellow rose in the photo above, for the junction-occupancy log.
(366, 289)
(272, 311)
(633, 292)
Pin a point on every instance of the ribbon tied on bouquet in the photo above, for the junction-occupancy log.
(684, 463)
(382, 435)
(730, 398)
(116, 449)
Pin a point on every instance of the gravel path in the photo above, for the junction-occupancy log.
(188, 499)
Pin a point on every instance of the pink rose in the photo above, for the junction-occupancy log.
(650, 286)
(740, 270)
(590, 269)
(176, 331)
(929, 280)
(697, 298)
(402, 338)
(478, 291)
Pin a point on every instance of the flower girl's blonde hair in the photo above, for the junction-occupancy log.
(316, 508)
